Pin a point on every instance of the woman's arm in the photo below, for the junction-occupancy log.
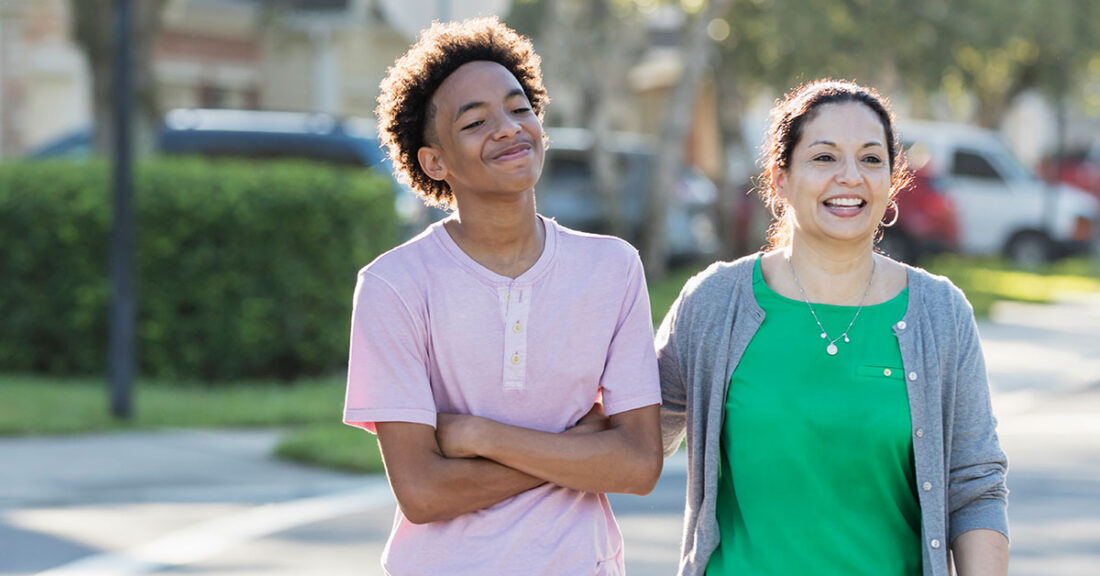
(673, 387)
(981, 553)
(976, 467)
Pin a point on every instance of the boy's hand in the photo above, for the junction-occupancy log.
(458, 434)
(594, 421)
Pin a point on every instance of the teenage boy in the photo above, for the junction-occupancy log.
(486, 352)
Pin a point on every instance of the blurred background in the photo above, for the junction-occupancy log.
(259, 190)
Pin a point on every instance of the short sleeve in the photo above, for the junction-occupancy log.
(630, 379)
(387, 363)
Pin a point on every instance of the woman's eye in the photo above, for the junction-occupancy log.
(823, 158)
(873, 159)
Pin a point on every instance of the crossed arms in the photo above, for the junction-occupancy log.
(469, 463)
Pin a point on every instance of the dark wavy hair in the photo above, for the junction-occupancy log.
(790, 115)
(404, 106)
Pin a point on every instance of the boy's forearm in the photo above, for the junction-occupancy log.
(462, 486)
(625, 457)
(430, 487)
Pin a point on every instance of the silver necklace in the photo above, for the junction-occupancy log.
(831, 348)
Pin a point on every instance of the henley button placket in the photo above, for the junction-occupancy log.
(516, 303)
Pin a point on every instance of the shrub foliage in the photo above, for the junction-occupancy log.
(245, 269)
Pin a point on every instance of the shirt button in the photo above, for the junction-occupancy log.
(920, 432)
(901, 325)
(516, 328)
(927, 486)
(912, 376)
(515, 358)
(935, 544)
(887, 372)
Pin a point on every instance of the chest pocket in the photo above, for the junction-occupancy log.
(881, 373)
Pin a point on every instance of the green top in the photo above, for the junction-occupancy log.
(833, 489)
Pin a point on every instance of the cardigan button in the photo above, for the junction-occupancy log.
(901, 325)
(912, 376)
(927, 486)
(920, 432)
(935, 544)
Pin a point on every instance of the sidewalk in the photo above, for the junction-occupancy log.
(158, 466)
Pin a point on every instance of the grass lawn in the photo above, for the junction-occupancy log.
(41, 405)
(310, 409)
(334, 445)
(986, 281)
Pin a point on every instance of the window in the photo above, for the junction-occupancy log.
(973, 165)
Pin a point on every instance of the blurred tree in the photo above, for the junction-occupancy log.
(976, 56)
(985, 50)
(591, 45)
(697, 54)
(93, 23)
(595, 44)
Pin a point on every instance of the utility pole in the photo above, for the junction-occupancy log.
(121, 361)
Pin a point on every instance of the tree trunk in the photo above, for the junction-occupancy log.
(93, 23)
(615, 41)
(588, 45)
(670, 156)
(736, 177)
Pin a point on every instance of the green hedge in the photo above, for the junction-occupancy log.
(244, 269)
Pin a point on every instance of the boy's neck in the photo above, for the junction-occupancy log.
(503, 236)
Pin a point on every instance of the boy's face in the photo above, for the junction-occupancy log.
(483, 137)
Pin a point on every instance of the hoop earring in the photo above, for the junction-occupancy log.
(897, 213)
(775, 216)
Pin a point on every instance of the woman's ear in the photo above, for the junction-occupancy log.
(431, 162)
(779, 181)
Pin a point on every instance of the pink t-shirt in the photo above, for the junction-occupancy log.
(434, 331)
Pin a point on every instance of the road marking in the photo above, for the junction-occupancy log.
(201, 541)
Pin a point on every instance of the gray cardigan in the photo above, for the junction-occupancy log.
(960, 467)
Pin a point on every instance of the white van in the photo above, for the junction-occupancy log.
(1003, 208)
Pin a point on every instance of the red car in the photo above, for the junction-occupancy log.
(1081, 168)
(928, 223)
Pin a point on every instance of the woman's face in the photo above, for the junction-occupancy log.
(837, 184)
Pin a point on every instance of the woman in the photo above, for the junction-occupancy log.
(835, 401)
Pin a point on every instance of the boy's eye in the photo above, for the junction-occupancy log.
(474, 124)
(522, 110)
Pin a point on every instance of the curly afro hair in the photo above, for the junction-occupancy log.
(404, 105)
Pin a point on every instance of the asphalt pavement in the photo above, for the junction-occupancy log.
(216, 502)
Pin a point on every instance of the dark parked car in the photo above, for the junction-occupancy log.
(567, 192)
(262, 134)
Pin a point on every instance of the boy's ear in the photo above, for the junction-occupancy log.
(431, 162)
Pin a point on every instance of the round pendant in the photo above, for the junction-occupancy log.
(831, 349)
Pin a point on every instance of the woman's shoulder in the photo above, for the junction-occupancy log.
(935, 292)
(719, 278)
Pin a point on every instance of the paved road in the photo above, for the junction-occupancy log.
(213, 502)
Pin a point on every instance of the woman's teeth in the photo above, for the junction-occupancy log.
(844, 202)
